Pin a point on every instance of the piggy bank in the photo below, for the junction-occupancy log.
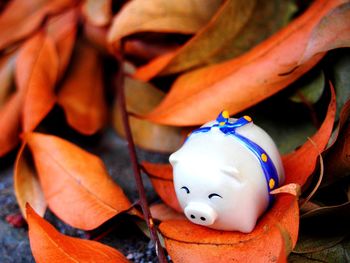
(224, 172)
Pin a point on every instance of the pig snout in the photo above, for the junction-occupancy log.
(200, 213)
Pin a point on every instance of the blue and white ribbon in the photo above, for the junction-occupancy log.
(229, 128)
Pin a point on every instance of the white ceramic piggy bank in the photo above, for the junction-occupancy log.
(224, 172)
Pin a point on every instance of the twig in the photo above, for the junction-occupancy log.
(319, 181)
(135, 165)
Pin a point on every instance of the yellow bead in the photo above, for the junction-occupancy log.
(222, 123)
(272, 183)
(248, 118)
(264, 157)
(225, 114)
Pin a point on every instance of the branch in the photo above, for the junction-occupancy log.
(135, 165)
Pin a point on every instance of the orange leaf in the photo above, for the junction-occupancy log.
(48, 245)
(163, 212)
(10, 123)
(76, 184)
(36, 72)
(98, 12)
(296, 168)
(62, 29)
(151, 69)
(246, 80)
(82, 93)
(272, 239)
(26, 184)
(22, 17)
(161, 176)
(97, 36)
(7, 69)
(183, 16)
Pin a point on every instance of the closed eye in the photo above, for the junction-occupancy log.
(186, 189)
(213, 195)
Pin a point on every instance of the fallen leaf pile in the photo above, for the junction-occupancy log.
(285, 63)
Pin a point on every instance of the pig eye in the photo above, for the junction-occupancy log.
(186, 189)
(213, 195)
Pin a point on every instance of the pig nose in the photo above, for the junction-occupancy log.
(200, 213)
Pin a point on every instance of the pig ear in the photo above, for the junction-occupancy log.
(233, 172)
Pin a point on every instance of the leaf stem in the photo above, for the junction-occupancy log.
(135, 165)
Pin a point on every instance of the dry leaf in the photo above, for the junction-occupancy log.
(62, 29)
(246, 80)
(26, 184)
(7, 69)
(337, 161)
(48, 245)
(151, 69)
(145, 50)
(146, 134)
(82, 92)
(21, 17)
(10, 123)
(96, 36)
(98, 12)
(292, 189)
(161, 176)
(36, 72)
(181, 16)
(231, 17)
(226, 36)
(163, 212)
(76, 184)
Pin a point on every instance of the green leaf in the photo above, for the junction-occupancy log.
(312, 89)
